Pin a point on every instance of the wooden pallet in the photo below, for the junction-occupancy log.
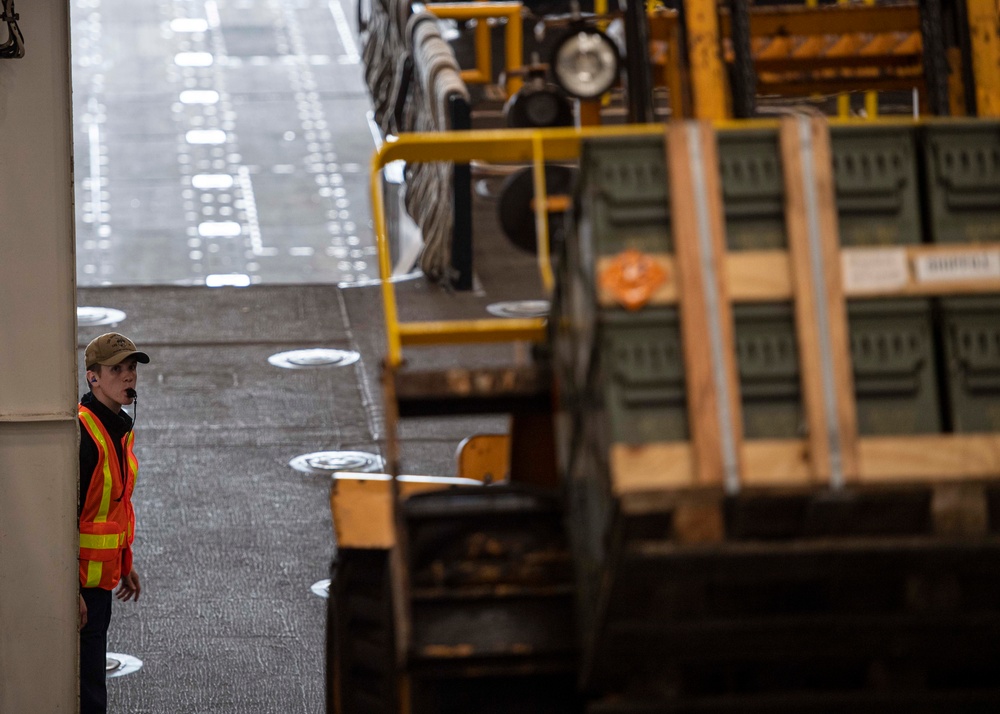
(834, 626)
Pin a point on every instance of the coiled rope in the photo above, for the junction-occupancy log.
(395, 40)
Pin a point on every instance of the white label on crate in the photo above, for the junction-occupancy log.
(868, 269)
(958, 266)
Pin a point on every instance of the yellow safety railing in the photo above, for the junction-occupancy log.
(535, 146)
(513, 38)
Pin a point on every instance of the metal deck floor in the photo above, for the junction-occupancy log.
(230, 537)
(220, 142)
(263, 102)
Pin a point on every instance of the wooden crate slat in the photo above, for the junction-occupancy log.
(783, 463)
(882, 272)
(688, 190)
(810, 206)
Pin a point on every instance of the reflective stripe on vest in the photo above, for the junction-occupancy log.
(112, 540)
(101, 437)
(106, 523)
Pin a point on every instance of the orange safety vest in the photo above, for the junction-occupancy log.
(107, 521)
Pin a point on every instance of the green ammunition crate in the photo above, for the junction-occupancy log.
(895, 380)
(877, 191)
(768, 363)
(891, 354)
(623, 194)
(971, 336)
(962, 180)
(640, 379)
(641, 369)
(622, 199)
(877, 183)
(753, 189)
(875, 175)
(624, 189)
(962, 183)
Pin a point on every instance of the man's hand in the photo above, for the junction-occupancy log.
(129, 587)
(83, 613)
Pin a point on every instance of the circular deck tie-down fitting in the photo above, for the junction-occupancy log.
(330, 462)
(519, 308)
(95, 316)
(118, 665)
(311, 358)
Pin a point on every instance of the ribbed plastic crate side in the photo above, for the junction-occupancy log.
(971, 336)
(768, 363)
(876, 183)
(642, 374)
(892, 353)
(753, 189)
(876, 172)
(962, 187)
(892, 356)
(962, 180)
(876, 177)
(624, 194)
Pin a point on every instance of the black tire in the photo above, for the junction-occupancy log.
(517, 217)
(360, 650)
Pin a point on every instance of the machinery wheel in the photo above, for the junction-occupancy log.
(360, 650)
(517, 217)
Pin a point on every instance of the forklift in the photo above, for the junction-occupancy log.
(754, 449)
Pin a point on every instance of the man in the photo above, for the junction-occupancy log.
(107, 522)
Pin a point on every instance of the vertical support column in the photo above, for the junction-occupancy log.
(698, 227)
(708, 77)
(39, 593)
(676, 77)
(514, 49)
(484, 50)
(820, 308)
(640, 78)
(935, 59)
(984, 31)
(744, 89)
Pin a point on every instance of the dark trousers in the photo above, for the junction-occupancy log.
(93, 651)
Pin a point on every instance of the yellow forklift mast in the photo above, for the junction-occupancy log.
(753, 457)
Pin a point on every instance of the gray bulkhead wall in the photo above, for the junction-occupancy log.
(38, 390)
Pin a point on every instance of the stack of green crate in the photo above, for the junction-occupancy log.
(638, 389)
(962, 184)
(877, 190)
(637, 381)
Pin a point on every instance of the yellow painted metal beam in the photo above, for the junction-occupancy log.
(542, 215)
(482, 12)
(465, 331)
(984, 30)
(499, 146)
(708, 76)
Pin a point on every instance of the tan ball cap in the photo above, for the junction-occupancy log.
(111, 348)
